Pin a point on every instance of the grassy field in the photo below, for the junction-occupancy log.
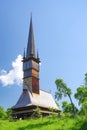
(47, 123)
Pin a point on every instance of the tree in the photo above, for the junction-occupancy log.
(63, 90)
(67, 107)
(83, 110)
(85, 79)
(81, 94)
(9, 113)
(3, 114)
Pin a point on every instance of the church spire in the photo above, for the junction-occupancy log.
(31, 45)
(31, 64)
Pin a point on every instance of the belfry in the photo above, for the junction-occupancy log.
(32, 96)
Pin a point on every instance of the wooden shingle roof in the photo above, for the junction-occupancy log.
(44, 99)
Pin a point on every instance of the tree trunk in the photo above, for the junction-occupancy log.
(73, 108)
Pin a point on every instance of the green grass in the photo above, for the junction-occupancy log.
(47, 123)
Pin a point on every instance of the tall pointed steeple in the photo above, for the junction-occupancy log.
(31, 45)
(31, 64)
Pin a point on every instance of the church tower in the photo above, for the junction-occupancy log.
(32, 96)
(31, 65)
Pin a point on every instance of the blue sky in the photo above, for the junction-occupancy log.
(60, 32)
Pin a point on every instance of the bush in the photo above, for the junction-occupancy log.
(9, 113)
(37, 113)
(83, 110)
(3, 113)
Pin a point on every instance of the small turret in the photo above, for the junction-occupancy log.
(38, 57)
(24, 54)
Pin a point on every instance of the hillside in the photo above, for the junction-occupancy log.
(47, 123)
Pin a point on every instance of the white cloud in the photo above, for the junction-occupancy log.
(15, 75)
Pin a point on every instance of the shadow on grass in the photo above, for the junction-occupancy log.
(84, 126)
(39, 125)
(80, 125)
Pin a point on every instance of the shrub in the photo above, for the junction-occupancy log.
(37, 113)
(3, 113)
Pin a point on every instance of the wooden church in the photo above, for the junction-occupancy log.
(32, 96)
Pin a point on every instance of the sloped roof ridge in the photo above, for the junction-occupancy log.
(45, 91)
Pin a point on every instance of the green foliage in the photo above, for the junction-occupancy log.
(9, 113)
(81, 94)
(3, 114)
(85, 79)
(37, 113)
(63, 90)
(55, 123)
(67, 107)
(83, 110)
